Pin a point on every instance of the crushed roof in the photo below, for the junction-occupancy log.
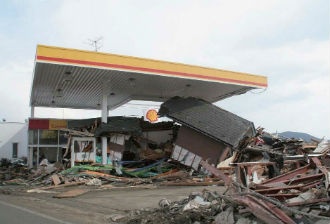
(130, 125)
(119, 125)
(207, 118)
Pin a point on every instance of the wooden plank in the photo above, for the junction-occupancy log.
(77, 133)
(324, 170)
(165, 174)
(145, 186)
(61, 185)
(308, 202)
(217, 183)
(56, 180)
(172, 175)
(258, 210)
(99, 174)
(109, 177)
(216, 172)
(224, 154)
(252, 163)
(71, 193)
(288, 176)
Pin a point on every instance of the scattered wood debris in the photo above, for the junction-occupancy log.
(71, 193)
(270, 179)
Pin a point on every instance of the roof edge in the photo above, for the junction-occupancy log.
(52, 54)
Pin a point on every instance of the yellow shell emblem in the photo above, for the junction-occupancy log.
(152, 115)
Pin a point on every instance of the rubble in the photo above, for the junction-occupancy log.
(71, 193)
(211, 207)
(269, 179)
(297, 192)
(207, 132)
(294, 191)
(283, 193)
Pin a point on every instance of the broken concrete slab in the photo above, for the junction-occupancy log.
(226, 216)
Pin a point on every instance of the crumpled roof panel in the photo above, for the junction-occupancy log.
(207, 118)
(125, 125)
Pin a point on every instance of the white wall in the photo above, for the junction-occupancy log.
(20, 135)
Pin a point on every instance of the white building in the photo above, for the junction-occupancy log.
(13, 140)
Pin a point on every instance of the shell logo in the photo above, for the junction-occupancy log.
(152, 115)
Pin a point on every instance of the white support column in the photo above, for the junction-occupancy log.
(73, 157)
(32, 112)
(30, 160)
(30, 149)
(104, 150)
(38, 148)
(104, 120)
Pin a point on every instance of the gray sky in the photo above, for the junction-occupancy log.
(287, 41)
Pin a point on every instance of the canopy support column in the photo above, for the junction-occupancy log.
(104, 120)
(32, 112)
(30, 149)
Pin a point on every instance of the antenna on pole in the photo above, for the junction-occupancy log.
(96, 43)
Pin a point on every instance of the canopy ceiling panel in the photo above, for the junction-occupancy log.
(71, 78)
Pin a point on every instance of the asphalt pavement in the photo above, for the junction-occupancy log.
(12, 214)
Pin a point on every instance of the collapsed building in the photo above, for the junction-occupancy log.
(207, 132)
(79, 140)
(69, 78)
(199, 131)
(270, 180)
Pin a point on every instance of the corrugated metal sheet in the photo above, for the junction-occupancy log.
(208, 119)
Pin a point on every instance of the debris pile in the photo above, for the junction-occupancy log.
(11, 170)
(266, 184)
(270, 179)
(143, 175)
(211, 207)
(198, 207)
(277, 200)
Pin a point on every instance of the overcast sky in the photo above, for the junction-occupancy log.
(287, 41)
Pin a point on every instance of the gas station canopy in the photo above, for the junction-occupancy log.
(70, 78)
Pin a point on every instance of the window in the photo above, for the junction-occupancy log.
(33, 137)
(15, 150)
(48, 137)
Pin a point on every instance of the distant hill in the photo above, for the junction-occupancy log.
(304, 136)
